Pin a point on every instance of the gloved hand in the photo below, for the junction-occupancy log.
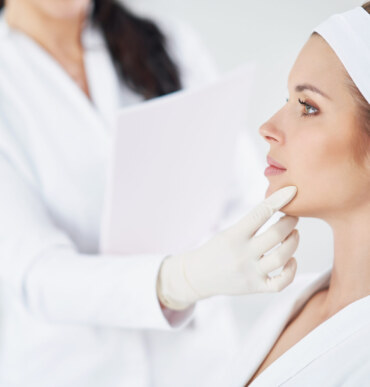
(233, 261)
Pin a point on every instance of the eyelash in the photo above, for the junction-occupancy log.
(307, 105)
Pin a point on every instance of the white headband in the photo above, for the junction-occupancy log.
(348, 34)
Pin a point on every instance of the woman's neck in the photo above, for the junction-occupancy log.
(350, 278)
(51, 33)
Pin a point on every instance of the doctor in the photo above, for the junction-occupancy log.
(71, 316)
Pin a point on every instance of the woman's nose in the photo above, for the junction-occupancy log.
(270, 133)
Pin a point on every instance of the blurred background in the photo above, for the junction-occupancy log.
(271, 33)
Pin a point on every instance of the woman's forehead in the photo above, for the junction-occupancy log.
(318, 65)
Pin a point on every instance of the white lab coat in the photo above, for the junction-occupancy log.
(335, 353)
(69, 315)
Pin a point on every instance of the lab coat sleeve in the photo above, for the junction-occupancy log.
(54, 281)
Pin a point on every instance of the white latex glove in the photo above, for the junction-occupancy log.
(233, 261)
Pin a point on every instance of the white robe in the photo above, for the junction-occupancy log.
(69, 315)
(335, 353)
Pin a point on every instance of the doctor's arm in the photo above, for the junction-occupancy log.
(56, 282)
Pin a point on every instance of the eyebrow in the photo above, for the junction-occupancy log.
(307, 86)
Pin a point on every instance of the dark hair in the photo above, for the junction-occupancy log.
(137, 48)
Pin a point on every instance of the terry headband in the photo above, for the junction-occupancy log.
(348, 34)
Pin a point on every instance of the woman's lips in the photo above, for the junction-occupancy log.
(274, 167)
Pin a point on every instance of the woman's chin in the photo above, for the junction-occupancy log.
(291, 207)
(68, 10)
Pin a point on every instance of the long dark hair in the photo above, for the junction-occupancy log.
(137, 48)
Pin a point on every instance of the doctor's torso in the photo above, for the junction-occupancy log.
(64, 137)
(58, 142)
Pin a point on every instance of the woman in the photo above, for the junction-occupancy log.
(71, 316)
(318, 332)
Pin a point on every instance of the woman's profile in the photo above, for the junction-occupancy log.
(318, 332)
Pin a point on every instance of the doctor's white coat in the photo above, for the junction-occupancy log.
(69, 315)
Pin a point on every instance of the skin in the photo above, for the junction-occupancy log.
(56, 26)
(320, 153)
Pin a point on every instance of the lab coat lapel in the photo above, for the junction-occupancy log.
(54, 74)
(320, 340)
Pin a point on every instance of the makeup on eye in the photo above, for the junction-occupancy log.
(307, 108)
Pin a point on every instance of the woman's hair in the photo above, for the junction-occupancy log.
(137, 48)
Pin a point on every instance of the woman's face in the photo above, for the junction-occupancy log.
(58, 9)
(318, 143)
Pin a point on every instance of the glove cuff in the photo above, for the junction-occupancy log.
(173, 289)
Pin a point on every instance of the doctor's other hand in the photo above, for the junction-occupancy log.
(233, 261)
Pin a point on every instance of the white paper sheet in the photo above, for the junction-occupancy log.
(171, 164)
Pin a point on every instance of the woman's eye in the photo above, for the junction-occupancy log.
(309, 110)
